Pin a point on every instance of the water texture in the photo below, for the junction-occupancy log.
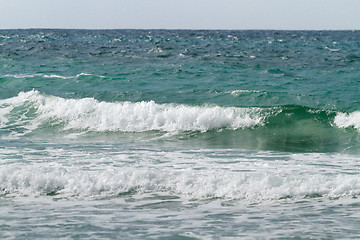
(165, 134)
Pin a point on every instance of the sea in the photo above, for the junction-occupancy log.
(179, 134)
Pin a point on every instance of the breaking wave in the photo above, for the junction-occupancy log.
(33, 109)
(348, 120)
(284, 128)
(114, 182)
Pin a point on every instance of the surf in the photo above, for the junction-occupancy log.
(287, 128)
(33, 109)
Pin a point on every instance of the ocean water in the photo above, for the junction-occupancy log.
(164, 134)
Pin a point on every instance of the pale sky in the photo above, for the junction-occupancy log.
(181, 14)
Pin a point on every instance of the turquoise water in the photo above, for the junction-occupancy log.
(163, 134)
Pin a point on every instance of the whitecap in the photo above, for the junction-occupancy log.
(88, 74)
(345, 120)
(55, 76)
(240, 91)
(20, 75)
(90, 114)
(332, 49)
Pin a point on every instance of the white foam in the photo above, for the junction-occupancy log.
(36, 75)
(201, 174)
(5, 36)
(240, 91)
(186, 183)
(55, 76)
(345, 120)
(332, 49)
(4, 110)
(88, 74)
(155, 50)
(90, 114)
(48, 75)
(21, 75)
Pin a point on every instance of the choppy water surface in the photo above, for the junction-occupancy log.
(179, 134)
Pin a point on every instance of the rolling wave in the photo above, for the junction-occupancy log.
(289, 128)
(32, 110)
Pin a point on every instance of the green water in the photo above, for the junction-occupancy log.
(164, 134)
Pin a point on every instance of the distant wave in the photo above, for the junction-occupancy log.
(49, 76)
(239, 92)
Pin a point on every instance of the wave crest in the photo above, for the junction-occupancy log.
(90, 114)
(345, 120)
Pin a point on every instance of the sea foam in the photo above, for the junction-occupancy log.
(345, 120)
(93, 115)
(111, 182)
(198, 174)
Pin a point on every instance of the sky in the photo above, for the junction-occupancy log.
(181, 14)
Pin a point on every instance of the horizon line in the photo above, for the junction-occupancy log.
(176, 29)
